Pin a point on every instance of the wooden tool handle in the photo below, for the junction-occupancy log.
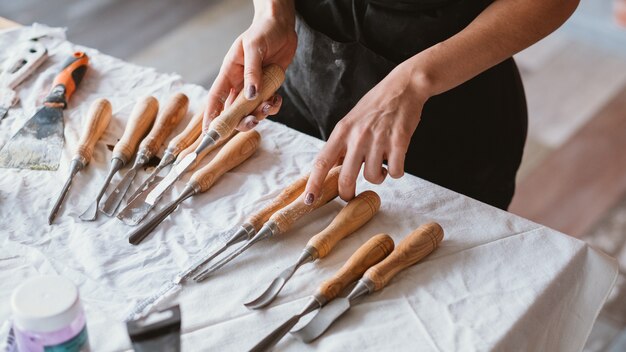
(165, 123)
(370, 253)
(240, 148)
(284, 218)
(412, 249)
(227, 121)
(188, 135)
(287, 196)
(98, 119)
(141, 118)
(66, 82)
(355, 214)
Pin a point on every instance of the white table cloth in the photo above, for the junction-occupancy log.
(498, 282)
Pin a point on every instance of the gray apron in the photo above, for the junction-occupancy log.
(470, 139)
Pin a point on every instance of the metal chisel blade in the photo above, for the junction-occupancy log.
(323, 320)
(137, 209)
(37, 145)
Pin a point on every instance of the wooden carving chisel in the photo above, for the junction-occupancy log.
(98, 119)
(141, 119)
(174, 148)
(370, 253)
(38, 145)
(235, 152)
(224, 124)
(281, 221)
(165, 123)
(137, 209)
(417, 245)
(355, 214)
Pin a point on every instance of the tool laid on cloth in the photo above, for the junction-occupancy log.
(140, 120)
(355, 214)
(417, 245)
(137, 209)
(281, 221)
(224, 124)
(253, 224)
(98, 119)
(38, 145)
(370, 253)
(176, 145)
(165, 123)
(21, 64)
(235, 152)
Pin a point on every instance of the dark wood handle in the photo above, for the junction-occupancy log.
(355, 214)
(417, 245)
(287, 216)
(98, 119)
(370, 253)
(235, 152)
(140, 120)
(165, 123)
(187, 136)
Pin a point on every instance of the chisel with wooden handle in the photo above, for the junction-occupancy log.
(235, 152)
(224, 124)
(370, 253)
(417, 245)
(281, 221)
(355, 214)
(98, 119)
(165, 123)
(174, 148)
(141, 119)
(137, 209)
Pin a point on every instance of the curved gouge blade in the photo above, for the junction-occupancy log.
(323, 320)
(137, 209)
(90, 213)
(115, 198)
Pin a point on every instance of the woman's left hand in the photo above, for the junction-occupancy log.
(377, 129)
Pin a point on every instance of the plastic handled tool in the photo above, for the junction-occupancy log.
(255, 221)
(165, 123)
(235, 152)
(39, 143)
(224, 124)
(370, 253)
(98, 119)
(137, 209)
(176, 145)
(282, 220)
(417, 245)
(22, 63)
(141, 119)
(355, 214)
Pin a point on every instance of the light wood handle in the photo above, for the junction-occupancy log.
(98, 119)
(412, 249)
(355, 214)
(370, 253)
(140, 120)
(235, 152)
(284, 218)
(165, 123)
(187, 136)
(287, 196)
(227, 121)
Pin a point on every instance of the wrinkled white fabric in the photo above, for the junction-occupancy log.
(498, 282)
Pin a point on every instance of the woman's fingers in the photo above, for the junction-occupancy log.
(253, 68)
(324, 161)
(265, 109)
(374, 171)
(349, 172)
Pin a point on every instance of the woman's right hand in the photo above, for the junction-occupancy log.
(270, 39)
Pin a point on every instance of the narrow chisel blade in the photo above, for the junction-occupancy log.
(137, 209)
(323, 320)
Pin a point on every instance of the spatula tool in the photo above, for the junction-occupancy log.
(370, 253)
(39, 143)
(417, 245)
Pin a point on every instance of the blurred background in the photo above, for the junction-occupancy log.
(573, 176)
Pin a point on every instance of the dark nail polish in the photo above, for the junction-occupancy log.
(251, 92)
(308, 200)
(266, 109)
(252, 124)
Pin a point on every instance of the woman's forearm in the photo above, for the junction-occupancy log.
(504, 28)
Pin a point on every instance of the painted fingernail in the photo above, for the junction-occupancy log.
(252, 124)
(266, 109)
(251, 92)
(309, 198)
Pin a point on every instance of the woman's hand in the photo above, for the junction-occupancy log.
(377, 129)
(271, 39)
